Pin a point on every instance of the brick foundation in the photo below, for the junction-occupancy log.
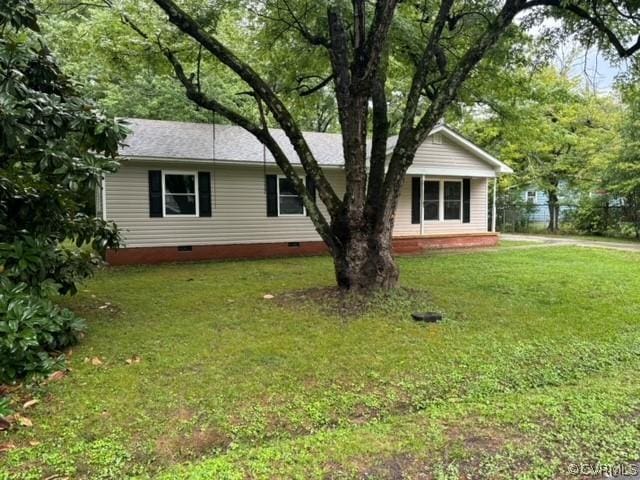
(401, 245)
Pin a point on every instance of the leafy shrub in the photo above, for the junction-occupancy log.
(33, 331)
(595, 216)
(5, 407)
(55, 147)
(34, 260)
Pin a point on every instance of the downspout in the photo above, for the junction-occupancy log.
(103, 195)
(493, 205)
(422, 205)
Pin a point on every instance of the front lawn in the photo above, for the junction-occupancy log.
(188, 372)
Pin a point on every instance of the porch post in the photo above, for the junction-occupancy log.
(422, 205)
(493, 206)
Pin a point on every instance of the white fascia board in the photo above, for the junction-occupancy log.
(215, 162)
(451, 172)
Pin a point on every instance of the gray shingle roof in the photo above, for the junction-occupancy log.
(194, 141)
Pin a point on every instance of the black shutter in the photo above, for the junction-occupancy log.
(466, 200)
(204, 193)
(415, 199)
(272, 195)
(155, 193)
(311, 188)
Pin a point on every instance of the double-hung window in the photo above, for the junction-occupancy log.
(289, 202)
(180, 194)
(442, 200)
(531, 197)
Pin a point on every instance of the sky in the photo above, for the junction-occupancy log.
(598, 73)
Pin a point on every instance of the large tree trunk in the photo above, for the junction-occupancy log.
(366, 262)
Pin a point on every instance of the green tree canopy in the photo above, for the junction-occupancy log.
(55, 145)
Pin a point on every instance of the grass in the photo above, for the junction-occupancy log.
(532, 370)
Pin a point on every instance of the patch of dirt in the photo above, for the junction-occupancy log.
(191, 445)
(93, 305)
(337, 302)
(475, 438)
(184, 415)
(400, 466)
(479, 442)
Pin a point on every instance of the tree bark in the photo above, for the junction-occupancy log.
(554, 210)
(366, 262)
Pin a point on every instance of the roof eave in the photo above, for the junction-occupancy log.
(245, 163)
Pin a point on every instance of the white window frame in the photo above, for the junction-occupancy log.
(533, 200)
(441, 218)
(164, 193)
(304, 210)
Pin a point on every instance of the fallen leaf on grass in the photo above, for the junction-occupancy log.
(95, 361)
(34, 443)
(4, 424)
(6, 389)
(55, 376)
(268, 296)
(134, 359)
(24, 421)
(30, 403)
(5, 447)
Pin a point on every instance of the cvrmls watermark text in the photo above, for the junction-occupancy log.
(603, 469)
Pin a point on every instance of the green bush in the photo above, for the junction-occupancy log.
(5, 407)
(595, 217)
(33, 331)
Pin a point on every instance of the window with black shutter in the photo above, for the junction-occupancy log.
(180, 194)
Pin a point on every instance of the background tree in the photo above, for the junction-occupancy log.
(619, 177)
(552, 131)
(54, 147)
(374, 56)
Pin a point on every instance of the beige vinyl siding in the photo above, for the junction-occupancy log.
(478, 211)
(238, 208)
(447, 158)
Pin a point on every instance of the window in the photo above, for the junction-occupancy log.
(431, 200)
(531, 197)
(180, 194)
(436, 139)
(289, 202)
(453, 200)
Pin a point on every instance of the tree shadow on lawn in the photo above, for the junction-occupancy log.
(347, 305)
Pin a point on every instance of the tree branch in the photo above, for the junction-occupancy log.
(379, 137)
(378, 36)
(305, 90)
(190, 27)
(594, 19)
(262, 134)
